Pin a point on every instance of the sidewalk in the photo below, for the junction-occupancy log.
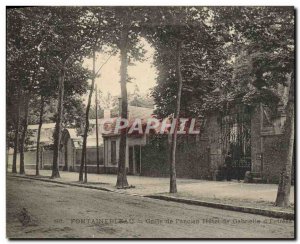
(242, 195)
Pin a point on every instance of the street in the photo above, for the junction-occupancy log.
(38, 209)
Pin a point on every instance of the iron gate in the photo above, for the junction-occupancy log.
(236, 139)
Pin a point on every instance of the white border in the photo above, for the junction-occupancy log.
(104, 3)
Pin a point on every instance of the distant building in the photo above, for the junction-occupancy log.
(46, 152)
(70, 149)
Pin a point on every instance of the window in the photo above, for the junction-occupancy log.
(113, 152)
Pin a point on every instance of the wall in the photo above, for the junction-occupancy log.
(274, 156)
(213, 145)
(131, 141)
(155, 156)
(91, 159)
(256, 141)
(107, 148)
(47, 159)
(30, 159)
(192, 157)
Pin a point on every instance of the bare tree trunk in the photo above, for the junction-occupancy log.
(122, 178)
(16, 137)
(58, 125)
(37, 166)
(284, 187)
(24, 133)
(87, 125)
(173, 185)
(97, 130)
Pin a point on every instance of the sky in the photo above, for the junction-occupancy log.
(144, 74)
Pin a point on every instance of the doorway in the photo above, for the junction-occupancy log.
(236, 139)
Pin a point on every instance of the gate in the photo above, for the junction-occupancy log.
(236, 139)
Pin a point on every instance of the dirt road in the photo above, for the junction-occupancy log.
(38, 209)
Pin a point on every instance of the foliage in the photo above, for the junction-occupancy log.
(230, 54)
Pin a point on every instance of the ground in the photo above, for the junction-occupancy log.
(234, 193)
(38, 209)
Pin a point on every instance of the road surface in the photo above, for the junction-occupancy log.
(37, 209)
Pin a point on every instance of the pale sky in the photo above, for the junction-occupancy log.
(144, 74)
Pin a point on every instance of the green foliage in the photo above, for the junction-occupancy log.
(230, 55)
(201, 58)
(262, 47)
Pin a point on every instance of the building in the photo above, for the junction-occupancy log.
(70, 150)
(134, 143)
(46, 152)
(254, 136)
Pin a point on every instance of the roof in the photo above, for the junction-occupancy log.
(73, 133)
(139, 112)
(44, 126)
(48, 128)
(46, 134)
(91, 139)
(133, 113)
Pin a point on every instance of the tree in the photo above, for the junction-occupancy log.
(41, 114)
(284, 186)
(99, 27)
(76, 85)
(125, 28)
(67, 42)
(87, 125)
(179, 39)
(140, 100)
(23, 136)
(23, 60)
(271, 64)
(263, 39)
(97, 130)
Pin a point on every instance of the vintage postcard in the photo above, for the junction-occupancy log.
(150, 122)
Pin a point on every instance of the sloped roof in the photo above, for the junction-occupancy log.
(133, 113)
(73, 133)
(44, 126)
(48, 128)
(46, 134)
(139, 112)
(91, 139)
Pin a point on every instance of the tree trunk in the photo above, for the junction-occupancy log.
(122, 178)
(37, 166)
(7, 154)
(16, 139)
(87, 125)
(97, 130)
(24, 133)
(173, 185)
(284, 187)
(58, 125)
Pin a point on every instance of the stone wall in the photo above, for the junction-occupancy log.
(212, 132)
(192, 157)
(256, 141)
(274, 157)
